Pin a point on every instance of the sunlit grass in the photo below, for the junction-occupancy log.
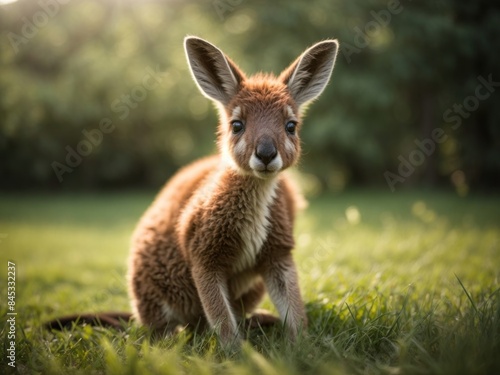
(393, 283)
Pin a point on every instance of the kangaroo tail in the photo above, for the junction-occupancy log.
(108, 320)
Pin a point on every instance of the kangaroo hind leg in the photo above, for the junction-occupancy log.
(247, 304)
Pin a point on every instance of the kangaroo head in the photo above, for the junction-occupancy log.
(260, 116)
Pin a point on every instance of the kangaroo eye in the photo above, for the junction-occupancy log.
(290, 127)
(237, 126)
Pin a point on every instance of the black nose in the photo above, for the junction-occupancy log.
(266, 151)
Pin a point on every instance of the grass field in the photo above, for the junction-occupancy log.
(404, 283)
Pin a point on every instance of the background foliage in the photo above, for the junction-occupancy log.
(401, 67)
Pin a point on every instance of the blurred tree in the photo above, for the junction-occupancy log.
(97, 94)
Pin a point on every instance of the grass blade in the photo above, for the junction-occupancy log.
(467, 293)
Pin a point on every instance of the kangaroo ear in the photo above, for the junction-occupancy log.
(307, 76)
(217, 77)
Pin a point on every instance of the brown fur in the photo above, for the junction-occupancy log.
(221, 231)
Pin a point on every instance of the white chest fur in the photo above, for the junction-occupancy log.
(253, 228)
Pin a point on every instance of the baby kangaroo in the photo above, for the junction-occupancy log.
(220, 233)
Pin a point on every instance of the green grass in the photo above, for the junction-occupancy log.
(404, 283)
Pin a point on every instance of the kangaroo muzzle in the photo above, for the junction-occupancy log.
(266, 150)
